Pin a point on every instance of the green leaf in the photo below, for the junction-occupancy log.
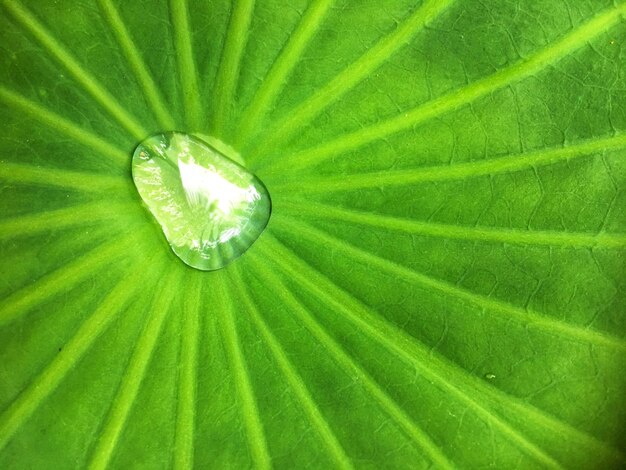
(442, 282)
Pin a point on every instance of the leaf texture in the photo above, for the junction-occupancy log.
(442, 282)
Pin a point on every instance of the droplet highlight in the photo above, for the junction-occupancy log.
(211, 209)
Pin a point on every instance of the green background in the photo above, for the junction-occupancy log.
(442, 282)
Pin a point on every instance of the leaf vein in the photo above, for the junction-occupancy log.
(186, 64)
(406, 347)
(282, 68)
(82, 214)
(250, 411)
(56, 177)
(90, 84)
(228, 73)
(487, 234)
(350, 366)
(458, 171)
(521, 315)
(133, 56)
(62, 125)
(186, 415)
(32, 397)
(295, 381)
(108, 438)
(354, 73)
(65, 278)
(463, 96)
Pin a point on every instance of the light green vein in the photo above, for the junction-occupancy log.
(457, 171)
(62, 125)
(487, 234)
(91, 85)
(281, 69)
(186, 64)
(353, 74)
(136, 370)
(67, 276)
(523, 316)
(56, 177)
(458, 381)
(53, 220)
(186, 414)
(256, 434)
(132, 54)
(228, 73)
(404, 421)
(411, 118)
(65, 361)
(293, 378)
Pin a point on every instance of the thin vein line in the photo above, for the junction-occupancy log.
(91, 85)
(281, 69)
(62, 125)
(433, 366)
(409, 119)
(133, 56)
(523, 316)
(249, 408)
(228, 73)
(53, 220)
(135, 373)
(487, 234)
(56, 177)
(353, 74)
(457, 171)
(38, 390)
(66, 277)
(186, 414)
(186, 64)
(296, 383)
(403, 420)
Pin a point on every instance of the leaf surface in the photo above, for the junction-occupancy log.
(442, 282)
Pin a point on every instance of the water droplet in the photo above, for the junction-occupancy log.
(211, 209)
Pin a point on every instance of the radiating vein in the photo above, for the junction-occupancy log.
(186, 64)
(186, 414)
(455, 171)
(448, 231)
(55, 177)
(66, 277)
(456, 380)
(409, 119)
(62, 125)
(521, 315)
(296, 383)
(404, 421)
(136, 370)
(65, 361)
(133, 55)
(53, 220)
(354, 73)
(89, 83)
(281, 69)
(228, 72)
(249, 408)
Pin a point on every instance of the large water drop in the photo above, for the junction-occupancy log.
(211, 209)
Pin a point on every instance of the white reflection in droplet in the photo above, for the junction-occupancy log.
(207, 188)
